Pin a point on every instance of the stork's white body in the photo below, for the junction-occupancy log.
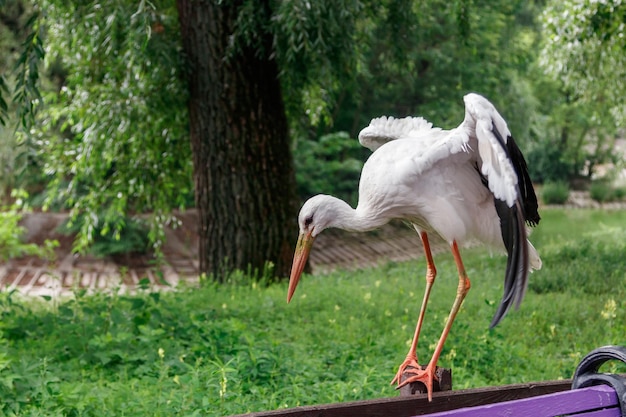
(446, 198)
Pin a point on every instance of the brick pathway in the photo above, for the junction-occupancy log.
(34, 276)
(333, 249)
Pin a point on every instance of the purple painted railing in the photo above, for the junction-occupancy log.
(596, 401)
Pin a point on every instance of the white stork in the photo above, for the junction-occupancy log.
(465, 184)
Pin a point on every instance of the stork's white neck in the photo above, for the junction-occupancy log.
(331, 212)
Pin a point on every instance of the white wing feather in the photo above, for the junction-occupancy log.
(476, 132)
(384, 129)
(481, 118)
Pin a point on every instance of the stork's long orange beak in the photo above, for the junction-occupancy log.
(303, 248)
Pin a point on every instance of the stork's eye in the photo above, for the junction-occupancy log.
(308, 221)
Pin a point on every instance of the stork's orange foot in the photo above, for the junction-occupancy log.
(413, 372)
(409, 365)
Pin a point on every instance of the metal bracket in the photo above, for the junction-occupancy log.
(587, 372)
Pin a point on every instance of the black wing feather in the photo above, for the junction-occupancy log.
(513, 229)
(526, 191)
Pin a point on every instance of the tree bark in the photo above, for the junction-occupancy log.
(243, 167)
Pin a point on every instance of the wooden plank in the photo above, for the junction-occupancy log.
(17, 279)
(28, 286)
(559, 403)
(419, 405)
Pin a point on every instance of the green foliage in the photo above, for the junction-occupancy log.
(343, 63)
(114, 132)
(331, 165)
(315, 47)
(26, 96)
(238, 348)
(584, 48)
(26, 91)
(555, 192)
(571, 138)
(11, 243)
(603, 191)
(130, 238)
(19, 169)
(548, 163)
(582, 54)
(21, 49)
(420, 58)
(9, 151)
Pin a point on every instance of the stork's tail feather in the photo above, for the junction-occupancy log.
(517, 267)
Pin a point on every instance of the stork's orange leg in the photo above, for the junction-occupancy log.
(431, 273)
(427, 375)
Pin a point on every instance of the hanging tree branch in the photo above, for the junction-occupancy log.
(26, 93)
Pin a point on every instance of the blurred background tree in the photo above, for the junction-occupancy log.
(105, 127)
(585, 66)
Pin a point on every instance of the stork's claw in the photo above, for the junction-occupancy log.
(410, 371)
(409, 365)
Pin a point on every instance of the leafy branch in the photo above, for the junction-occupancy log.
(26, 95)
(26, 92)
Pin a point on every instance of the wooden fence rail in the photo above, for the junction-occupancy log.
(418, 405)
(589, 394)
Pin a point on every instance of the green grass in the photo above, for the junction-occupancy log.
(222, 350)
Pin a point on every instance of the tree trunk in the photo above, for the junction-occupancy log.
(243, 167)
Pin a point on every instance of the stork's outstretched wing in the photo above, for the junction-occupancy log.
(502, 161)
(384, 129)
(504, 171)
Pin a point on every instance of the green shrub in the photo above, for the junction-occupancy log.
(555, 192)
(620, 193)
(330, 165)
(11, 243)
(603, 192)
(548, 163)
(132, 237)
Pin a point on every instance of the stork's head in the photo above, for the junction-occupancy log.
(318, 213)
